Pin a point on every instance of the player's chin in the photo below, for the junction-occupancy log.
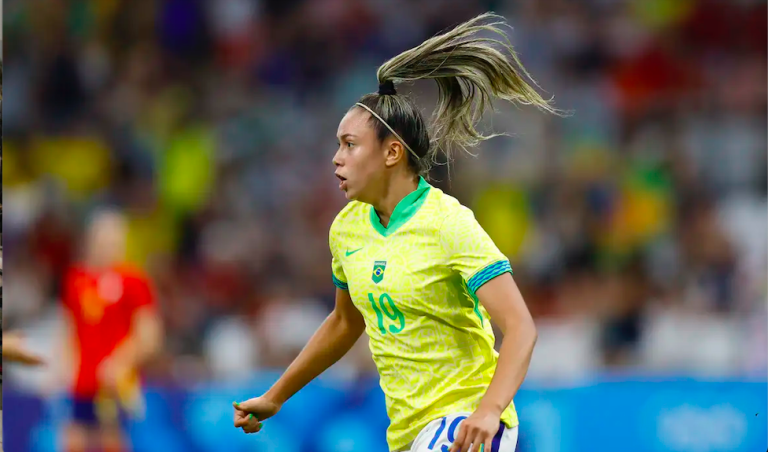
(350, 193)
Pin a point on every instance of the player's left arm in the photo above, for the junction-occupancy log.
(145, 338)
(504, 303)
(473, 255)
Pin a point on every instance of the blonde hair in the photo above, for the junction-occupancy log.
(470, 71)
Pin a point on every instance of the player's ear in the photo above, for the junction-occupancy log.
(394, 152)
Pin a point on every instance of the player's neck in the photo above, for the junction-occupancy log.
(95, 264)
(397, 189)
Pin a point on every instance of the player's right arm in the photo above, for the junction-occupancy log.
(143, 342)
(15, 350)
(335, 337)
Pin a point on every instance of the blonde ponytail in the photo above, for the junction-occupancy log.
(471, 72)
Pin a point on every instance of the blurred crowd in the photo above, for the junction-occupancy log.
(636, 226)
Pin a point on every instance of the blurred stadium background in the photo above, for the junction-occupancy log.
(636, 227)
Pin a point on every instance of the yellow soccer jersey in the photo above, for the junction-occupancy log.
(414, 282)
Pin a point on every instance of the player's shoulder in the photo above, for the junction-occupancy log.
(445, 207)
(350, 217)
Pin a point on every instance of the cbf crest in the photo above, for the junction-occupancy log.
(378, 271)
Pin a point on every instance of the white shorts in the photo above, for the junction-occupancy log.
(439, 434)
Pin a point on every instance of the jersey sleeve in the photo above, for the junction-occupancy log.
(470, 251)
(339, 279)
(143, 293)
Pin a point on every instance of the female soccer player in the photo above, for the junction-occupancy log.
(112, 328)
(413, 268)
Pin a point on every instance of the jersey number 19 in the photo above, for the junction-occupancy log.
(387, 306)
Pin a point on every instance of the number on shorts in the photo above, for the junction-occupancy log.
(452, 434)
(437, 434)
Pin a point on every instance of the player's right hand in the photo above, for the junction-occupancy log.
(250, 414)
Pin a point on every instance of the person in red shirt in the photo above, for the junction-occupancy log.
(113, 329)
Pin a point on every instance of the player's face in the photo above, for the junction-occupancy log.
(106, 238)
(361, 158)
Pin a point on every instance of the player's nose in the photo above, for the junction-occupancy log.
(336, 161)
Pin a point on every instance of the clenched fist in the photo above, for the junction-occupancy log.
(250, 414)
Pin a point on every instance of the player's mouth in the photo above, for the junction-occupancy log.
(342, 182)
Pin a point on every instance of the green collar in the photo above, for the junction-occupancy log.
(405, 209)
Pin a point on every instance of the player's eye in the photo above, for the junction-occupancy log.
(349, 145)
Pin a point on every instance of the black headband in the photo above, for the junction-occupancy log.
(387, 88)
